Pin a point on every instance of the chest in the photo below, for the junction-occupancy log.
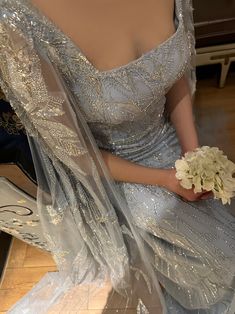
(111, 34)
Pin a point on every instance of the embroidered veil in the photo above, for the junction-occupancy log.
(86, 221)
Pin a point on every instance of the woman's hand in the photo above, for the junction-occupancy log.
(173, 184)
(127, 171)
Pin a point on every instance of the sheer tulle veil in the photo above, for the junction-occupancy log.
(85, 218)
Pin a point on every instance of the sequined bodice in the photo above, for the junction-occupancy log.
(124, 107)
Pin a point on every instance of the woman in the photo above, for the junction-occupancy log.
(106, 125)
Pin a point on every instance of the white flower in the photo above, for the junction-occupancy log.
(207, 168)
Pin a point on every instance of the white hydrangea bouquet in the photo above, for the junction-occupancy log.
(207, 168)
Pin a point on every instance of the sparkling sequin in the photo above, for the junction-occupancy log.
(55, 216)
(193, 245)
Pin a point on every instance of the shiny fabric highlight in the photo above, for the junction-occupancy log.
(95, 228)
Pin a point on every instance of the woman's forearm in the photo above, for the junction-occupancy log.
(128, 171)
(179, 103)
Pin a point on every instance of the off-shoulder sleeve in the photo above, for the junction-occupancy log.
(188, 19)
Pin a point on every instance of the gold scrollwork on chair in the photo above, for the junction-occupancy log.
(11, 123)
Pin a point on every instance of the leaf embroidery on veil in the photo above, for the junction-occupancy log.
(26, 78)
(58, 253)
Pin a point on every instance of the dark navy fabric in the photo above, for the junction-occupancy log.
(14, 146)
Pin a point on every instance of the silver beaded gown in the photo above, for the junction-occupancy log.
(193, 244)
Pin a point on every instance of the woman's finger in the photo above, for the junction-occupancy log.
(206, 195)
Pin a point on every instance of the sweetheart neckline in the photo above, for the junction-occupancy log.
(69, 40)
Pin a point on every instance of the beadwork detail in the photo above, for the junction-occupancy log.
(193, 244)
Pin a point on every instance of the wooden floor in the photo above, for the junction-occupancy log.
(25, 266)
(215, 113)
(215, 116)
